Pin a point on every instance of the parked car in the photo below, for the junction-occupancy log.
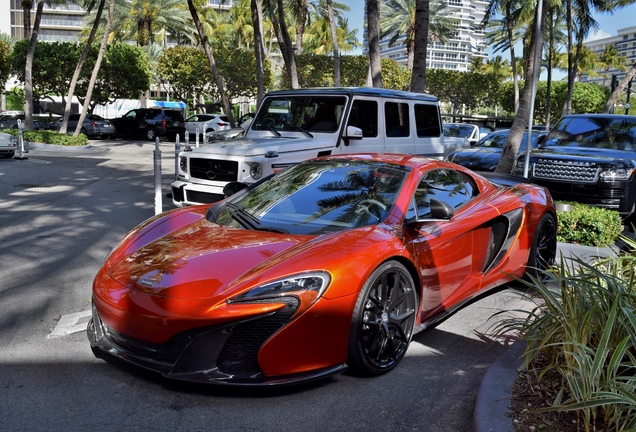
(10, 121)
(485, 155)
(333, 263)
(151, 123)
(206, 123)
(295, 125)
(93, 126)
(461, 135)
(8, 145)
(589, 158)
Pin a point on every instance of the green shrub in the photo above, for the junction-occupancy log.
(588, 225)
(50, 137)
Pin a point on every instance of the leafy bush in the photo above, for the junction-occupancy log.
(588, 225)
(50, 137)
(584, 326)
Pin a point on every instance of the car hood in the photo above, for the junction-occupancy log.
(182, 255)
(261, 146)
(477, 158)
(586, 155)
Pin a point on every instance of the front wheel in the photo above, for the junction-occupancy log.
(151, 134)
(383, 320)
(543, 249)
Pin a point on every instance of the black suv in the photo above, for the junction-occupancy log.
(589, 158)
(151, 123)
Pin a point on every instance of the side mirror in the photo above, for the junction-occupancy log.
(441, 210)
(353, 132)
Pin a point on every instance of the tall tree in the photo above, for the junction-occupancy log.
(520, 122)
(334, 41)
(277, 15)
(373, 35)
(26, 17)
(259, 48)
(422, 22)
(28, 69)
(215, 71)
(610, 59)
(80, 63)
(98, 64)
(609, 107)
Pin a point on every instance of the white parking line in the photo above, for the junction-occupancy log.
(71, 323)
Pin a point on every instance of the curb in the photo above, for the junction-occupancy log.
(495, 391)
(52, 147)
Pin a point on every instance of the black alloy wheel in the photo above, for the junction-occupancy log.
(383, 320)
(543, 249)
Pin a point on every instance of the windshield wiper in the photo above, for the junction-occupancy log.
(248, 220)
(299, 129)
(272, 130)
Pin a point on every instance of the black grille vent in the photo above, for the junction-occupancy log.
(566, 172)
(213, 169)
(240, 351)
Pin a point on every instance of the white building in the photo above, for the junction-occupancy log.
(625, 42)
(460, 50)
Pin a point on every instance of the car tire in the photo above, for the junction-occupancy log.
(383, 320)
(151, 134)
(83, 132)
(543, 249)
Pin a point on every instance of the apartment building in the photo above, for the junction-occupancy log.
(625, 42)
(460, 50)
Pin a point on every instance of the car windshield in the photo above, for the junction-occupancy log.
(498, 140)
(617, 133)
(458, 131)
(318, 197)
(306, 113)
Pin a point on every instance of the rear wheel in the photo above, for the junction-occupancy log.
(383, 320)
(543, 249)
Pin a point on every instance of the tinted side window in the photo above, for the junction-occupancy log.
(427, 121)
(176, 116)
(396, 118)
(446, 185)
(364, 115)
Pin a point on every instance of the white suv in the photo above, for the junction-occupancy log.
(295, 125)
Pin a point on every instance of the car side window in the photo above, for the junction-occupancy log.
(364, 115)
(427, 121)
(396, 119)
(131, 115)
(447, 185)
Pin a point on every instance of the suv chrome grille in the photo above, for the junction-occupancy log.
(214, 169)
(566, 171)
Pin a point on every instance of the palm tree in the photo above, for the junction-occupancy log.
(555, 32)
(422, 24)
(98, 64)
(398, 20)
(373, 33)
(277, 15)
(610, 59)
(498, 67)
(589, 63)
(256, 8)
(318, 38)
(26, 17)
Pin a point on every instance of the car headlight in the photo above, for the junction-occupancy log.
(256, 171)
(308, 286)
(13, 140)
(183, 163)
(616, 174)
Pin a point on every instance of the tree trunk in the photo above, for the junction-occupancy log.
(300, 26)
(513, 60)
(28, 70)
(257, 21)
(334, 41)
(422, 19)
(98, 64)
(373, 32)
(284, 41)
(80, 65)
(609, 106)
(520, 122)
(26, 17)
(567, 105)
(215, 70)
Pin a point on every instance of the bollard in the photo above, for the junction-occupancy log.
(177, 150)
(21, 150)
(187, 142)
(196, 145)
(157, 165)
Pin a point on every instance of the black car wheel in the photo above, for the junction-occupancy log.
(151, 134)
(383, 320)
(543, 249)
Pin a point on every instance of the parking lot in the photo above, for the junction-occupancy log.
(62, 212)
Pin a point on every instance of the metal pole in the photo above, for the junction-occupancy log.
(197, 139)
(157, 166)
(21, 150)
(177, 150)
(537, 67)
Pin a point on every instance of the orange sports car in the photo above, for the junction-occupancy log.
(333, 263)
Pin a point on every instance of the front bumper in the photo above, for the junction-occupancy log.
(185, 194)
(225, 354)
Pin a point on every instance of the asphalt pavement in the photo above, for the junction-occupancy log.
(61, 213)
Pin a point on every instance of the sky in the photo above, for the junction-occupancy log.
(608, 23)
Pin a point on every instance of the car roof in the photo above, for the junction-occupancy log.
(361, 91)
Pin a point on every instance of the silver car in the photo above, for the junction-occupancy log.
(93, 126)
(207, 123)
(8, 145)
